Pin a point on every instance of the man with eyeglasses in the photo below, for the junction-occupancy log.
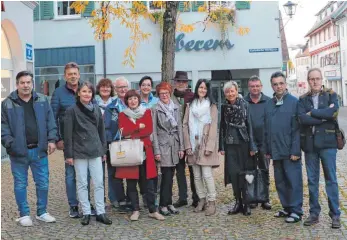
(117, 106)
(318, 110)
(257, 101)
(181, 96)
(282, 145)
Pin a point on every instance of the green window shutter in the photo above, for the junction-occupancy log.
(241, 5)
(89, 9)
(36, 13)
(181, 7)
(196, 5)
(46, 10)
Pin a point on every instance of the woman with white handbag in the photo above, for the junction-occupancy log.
(167, 144)
(85, 148)
(136, 122)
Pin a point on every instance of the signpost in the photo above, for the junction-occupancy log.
(29, 52)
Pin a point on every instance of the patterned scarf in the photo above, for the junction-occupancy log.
(237, 113)
(169, 111)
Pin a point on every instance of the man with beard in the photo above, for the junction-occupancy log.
(181, 96)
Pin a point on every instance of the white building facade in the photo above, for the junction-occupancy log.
(61, 37)
(325, 46)
(17, 42)
(303, 64)
(341, 22)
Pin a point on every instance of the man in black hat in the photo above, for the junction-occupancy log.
(181, 96)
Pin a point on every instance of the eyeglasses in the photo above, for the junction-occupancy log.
(278, 84)
(122, 87)
(164, 93)
(314, 79)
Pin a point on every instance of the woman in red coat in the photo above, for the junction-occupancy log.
(136, 123)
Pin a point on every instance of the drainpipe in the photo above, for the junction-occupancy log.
(104, 61)
(339, 40)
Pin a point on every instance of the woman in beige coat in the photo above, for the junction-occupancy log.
(200, 140)
(167, 144)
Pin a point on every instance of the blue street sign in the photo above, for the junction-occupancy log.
(29, 52)
(257, 50)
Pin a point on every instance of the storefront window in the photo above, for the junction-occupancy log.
(47, 79)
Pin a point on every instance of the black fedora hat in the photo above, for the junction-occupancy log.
(181, 76)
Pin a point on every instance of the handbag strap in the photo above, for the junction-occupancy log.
(120, 132)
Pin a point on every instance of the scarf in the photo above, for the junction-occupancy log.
(102, 104)
(199, 116)
(89, 106)
(88, 110)
(136, 113)
(237, 113)
(169, 110)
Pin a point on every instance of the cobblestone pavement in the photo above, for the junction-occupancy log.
(187, 225)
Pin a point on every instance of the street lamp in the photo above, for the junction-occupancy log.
(290, 8)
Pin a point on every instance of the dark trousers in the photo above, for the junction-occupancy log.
(182, 181)
(120, 190)
(148, 190)
(288, 180)
(167, 174)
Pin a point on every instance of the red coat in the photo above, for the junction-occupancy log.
(132, 129)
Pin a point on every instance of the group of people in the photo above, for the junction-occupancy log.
(177, 128)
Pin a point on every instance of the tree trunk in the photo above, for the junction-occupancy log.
(169, 41)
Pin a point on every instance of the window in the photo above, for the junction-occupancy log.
(48, 78)
(329, 36)
(337, 57)
(324, 34)
(62, 9)
(154, 7)
(322, 62)
(332, 8)
(319, 38)
(344, 58)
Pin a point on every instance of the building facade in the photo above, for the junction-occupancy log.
(62, 36)
(341, 22)
(17, 42)
(303, 64)
(324, 46)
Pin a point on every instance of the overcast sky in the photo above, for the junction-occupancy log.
(302, 21)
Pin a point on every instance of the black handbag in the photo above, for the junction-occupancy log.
(257, 190)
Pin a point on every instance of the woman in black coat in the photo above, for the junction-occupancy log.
(236, 143)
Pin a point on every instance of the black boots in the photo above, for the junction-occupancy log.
(85, 220)
(237, 207)
(103, 219)
(246, 210)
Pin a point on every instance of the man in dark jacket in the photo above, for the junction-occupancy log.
(282, 145)
(181, 96)
(318, 114)
(28, 131)
(257, 101)
(64, 97)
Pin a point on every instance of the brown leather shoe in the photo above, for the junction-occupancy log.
(211, 208)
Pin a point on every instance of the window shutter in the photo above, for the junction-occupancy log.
(89, 9)
(36, 13)
(181, 7)
(196, 5)
(241, 5)
(46, 10)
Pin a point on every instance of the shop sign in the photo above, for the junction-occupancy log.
(29, 52)
(257, 50)
(330, 73)
(198, 45)
(5, 87)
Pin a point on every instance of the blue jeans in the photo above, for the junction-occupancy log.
(70, 184)
(288, 181)
(312, 160)
(39, 169)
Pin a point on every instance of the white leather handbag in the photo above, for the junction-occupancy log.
(126, 152)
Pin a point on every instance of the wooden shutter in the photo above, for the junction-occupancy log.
(181, 7)
(241, 5)
(196, 5)
(46, 10)
(89, 9)
(36, 13)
